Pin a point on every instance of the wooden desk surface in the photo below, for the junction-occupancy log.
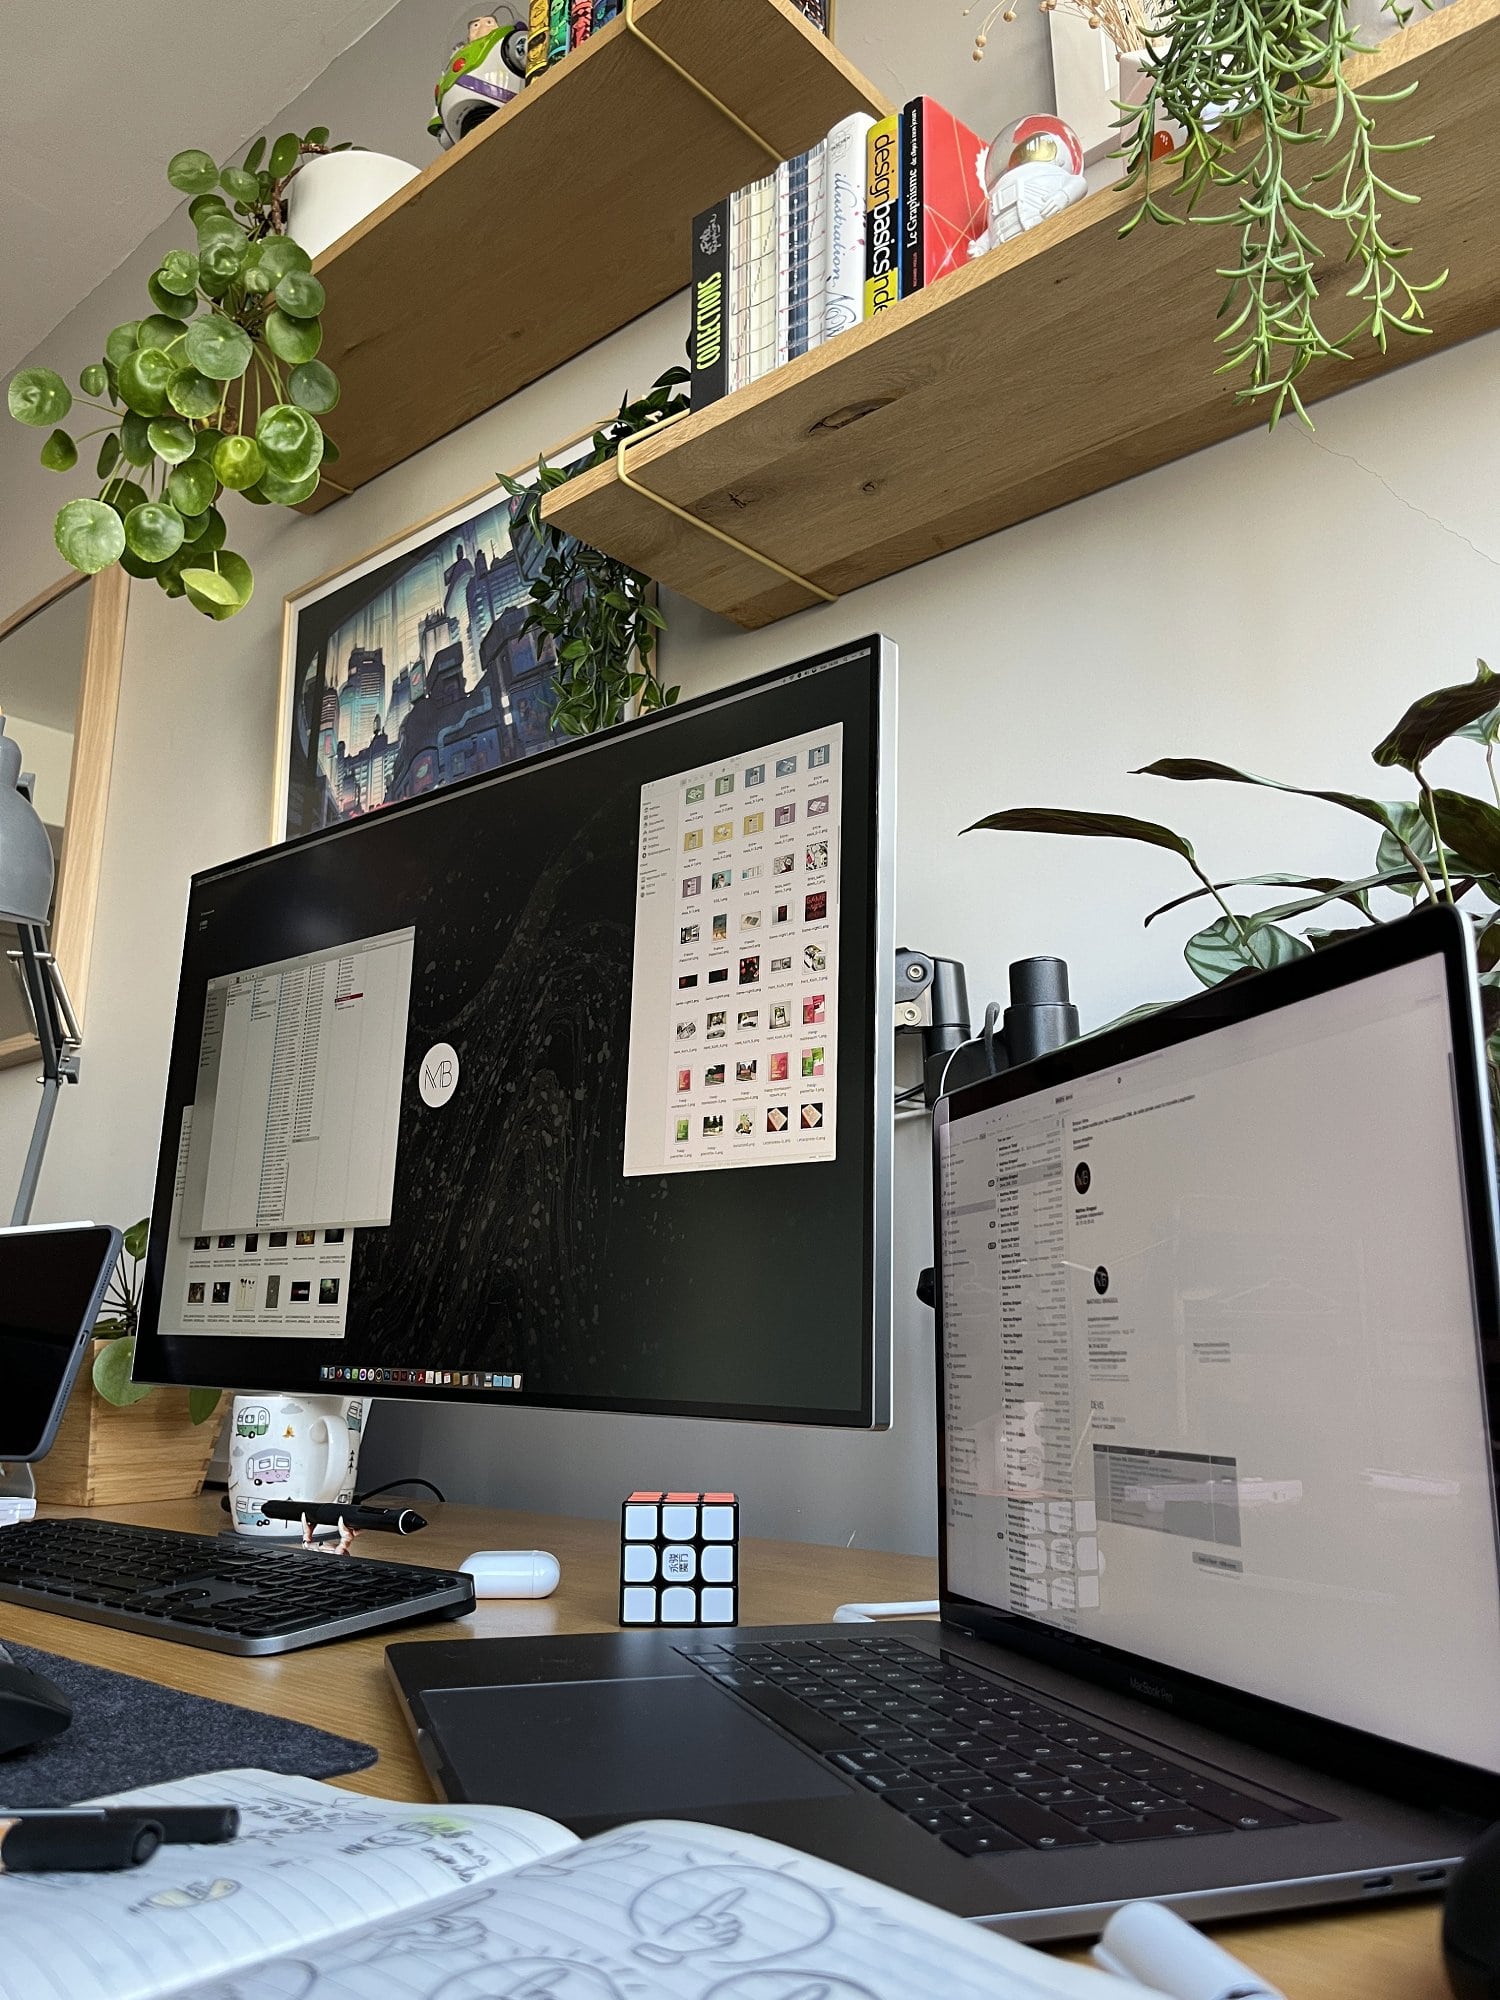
(1368, 1954)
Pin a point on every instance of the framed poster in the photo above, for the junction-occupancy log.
(412, 668)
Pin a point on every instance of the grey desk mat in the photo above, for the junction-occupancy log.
(127, 1732)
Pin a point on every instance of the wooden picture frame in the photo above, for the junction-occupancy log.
(77, 894)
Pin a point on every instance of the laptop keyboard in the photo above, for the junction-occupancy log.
(975, 1760)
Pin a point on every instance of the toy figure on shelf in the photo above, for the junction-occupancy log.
(1035, 171)
(487, 69)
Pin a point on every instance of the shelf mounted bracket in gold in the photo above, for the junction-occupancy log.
(773, 152)
(706, 527)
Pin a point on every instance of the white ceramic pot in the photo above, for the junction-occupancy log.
(331, 192)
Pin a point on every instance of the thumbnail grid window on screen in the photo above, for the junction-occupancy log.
(289, 1145)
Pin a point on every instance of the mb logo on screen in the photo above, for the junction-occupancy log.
(439, 1077)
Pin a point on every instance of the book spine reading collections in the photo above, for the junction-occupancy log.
(874, 212)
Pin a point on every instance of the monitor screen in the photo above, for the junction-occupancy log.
(568, 1085)
(1213, 1384)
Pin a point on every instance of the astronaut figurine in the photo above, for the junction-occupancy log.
(487, 69)
(1035, 171)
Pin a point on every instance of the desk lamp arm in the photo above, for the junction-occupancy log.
(60, 1039)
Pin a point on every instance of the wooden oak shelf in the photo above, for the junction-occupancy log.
(561, 219)
(1050, 368)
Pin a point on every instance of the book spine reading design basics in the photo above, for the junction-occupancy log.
(883, 216)
(711, 304)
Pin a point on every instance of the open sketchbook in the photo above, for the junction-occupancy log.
(328, 1895)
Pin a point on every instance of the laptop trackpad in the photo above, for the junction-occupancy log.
(589, 1749)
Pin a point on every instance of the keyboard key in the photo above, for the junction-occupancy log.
(1034, 1824)
(815, 1730)
(1239, 1810)
(1178, 1825)
(913, 1799)
(1091, 1812)
(967, 1789)
(1060, 1795)
(991, 1841)
(868, 1759)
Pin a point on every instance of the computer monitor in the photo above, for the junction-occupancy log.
(569, 1085)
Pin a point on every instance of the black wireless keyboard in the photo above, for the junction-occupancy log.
(233, 1597)
(976, 1760)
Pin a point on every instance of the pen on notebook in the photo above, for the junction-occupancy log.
(76, 1843)
(180, 1826)
(1155, 1947)
(387, 1520)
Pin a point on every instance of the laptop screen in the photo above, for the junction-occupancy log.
(1212, 1384)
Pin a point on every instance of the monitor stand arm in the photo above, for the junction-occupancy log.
(60, 1039)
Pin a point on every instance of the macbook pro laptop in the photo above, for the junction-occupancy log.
(1220, 1598)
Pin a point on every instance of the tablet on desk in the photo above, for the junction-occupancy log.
(53, 1282)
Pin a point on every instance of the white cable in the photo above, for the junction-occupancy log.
(866, 1614)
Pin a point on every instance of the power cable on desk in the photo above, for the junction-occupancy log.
(390, 1486)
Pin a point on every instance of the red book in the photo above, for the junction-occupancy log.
(945, 204)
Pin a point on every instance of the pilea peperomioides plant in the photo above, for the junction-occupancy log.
(218, 387)
(1443, 846)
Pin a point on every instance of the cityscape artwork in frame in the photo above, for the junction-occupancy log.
(412, 668)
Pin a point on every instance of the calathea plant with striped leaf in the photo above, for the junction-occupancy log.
(218, 388)
(1440, 846)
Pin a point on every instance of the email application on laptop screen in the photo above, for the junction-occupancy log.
(1212, 1383)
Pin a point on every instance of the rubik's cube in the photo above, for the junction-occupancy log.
(680, 1559)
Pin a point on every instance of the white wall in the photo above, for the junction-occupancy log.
(1274, 602)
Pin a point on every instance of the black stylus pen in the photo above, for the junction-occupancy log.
(86, 1843)
(180, 1826)
(325, 1514)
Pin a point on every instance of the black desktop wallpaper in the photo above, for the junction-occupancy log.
(517, 1244)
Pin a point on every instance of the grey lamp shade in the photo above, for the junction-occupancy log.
(25, 850)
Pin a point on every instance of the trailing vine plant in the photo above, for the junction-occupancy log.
(1251, 82)
(596, 610)
(217, 388)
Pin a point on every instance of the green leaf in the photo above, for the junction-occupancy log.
(217, 225)
(191, 486)
(314, 386)
(1435, 718)
(285, 154)
(1471, 829)
(40, 397)
(282, 490)
(1225, 948)
(135, 444)
(94, 379)
(192, 394)
(1415, 829)
(290, 440)
(294, 340)
(203, 205)
(1087, 825)
(223, 590)
(202, 1403)
(179, 273)
(239, 184)
(206, 441)
(318, 136)
(218, 348)
(136, 1237)
(89, 535)
(144, 376)
(192, 171)
(300, 295)
(158, 330)
(112, 1366)
(220, 262)
(123, 494)
(59, 453)
(171, 439)
(255, 155)
(1486, 730)
(122, 341)
(109, 456)
(170, 303)
(1194, 770)
(238, 462)
(207, 535)
(153, 532)
(272, 260)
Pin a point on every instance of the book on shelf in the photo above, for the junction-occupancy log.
(580, 22)
(604, 12)
(558, 29)
(844, 224)
(810, 277)
(538, 36)
(944, 200)
(761, 267)
(817, 12)
(710, 342)
(883, 215)
(330, 1891)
